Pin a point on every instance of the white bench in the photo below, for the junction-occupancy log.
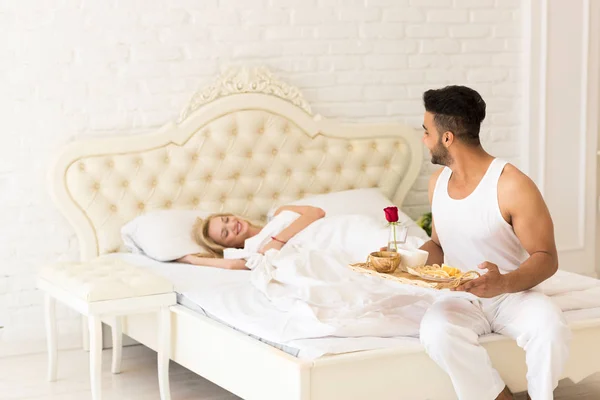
(107, 289)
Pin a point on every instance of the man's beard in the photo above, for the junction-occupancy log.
(440, 155)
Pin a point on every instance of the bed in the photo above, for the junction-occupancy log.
(244, 142)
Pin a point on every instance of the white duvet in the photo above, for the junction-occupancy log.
(309, 280)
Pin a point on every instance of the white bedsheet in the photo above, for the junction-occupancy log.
(216, 290)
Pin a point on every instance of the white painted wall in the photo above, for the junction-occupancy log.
(561, 133)
(73, 68)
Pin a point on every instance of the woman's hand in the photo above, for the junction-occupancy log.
(236, 264)
(273, 244)
(308, 215)
(213, 262)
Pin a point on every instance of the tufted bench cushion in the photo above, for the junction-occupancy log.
(102, 279)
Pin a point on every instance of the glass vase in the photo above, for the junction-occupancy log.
(397, 236)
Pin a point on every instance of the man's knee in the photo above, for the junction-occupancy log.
(555, 328)
(438, 333)
(435, 333)
(550, 324)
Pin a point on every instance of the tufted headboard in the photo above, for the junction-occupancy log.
(244, 143)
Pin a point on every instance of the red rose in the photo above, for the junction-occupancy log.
(391, 214)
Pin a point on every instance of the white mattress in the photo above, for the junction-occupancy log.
(207, 290)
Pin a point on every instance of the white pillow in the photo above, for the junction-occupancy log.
(164, 235)
(357, 201)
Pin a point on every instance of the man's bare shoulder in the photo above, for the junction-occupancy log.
(514, 182)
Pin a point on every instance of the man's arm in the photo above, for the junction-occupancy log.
(522, 205)
(433, 247)
(533, 226)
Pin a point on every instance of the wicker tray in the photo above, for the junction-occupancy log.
(405, 277)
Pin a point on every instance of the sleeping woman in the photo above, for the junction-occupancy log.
(227, 231)
(231, 240)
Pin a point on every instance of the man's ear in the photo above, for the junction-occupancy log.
(447, 138)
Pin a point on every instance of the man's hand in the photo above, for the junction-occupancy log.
(492, 284)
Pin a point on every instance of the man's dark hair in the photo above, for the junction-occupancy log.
(457, 109)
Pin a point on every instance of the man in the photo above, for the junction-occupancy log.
(488, 214)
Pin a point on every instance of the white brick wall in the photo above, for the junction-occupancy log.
(75, 68)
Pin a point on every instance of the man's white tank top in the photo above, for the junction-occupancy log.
(472, 230)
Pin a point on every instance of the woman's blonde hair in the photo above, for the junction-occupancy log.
(200, 235)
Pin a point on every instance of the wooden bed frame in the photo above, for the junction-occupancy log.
(243, 143)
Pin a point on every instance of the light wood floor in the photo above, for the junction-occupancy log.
(25, 378)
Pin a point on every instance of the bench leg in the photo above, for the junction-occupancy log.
(50, 303)
(117, 343)
(95, 327)
(164, 352)
(85, 333)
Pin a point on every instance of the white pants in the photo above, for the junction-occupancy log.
(450, 331)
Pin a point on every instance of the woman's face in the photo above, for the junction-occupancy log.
(228, 231)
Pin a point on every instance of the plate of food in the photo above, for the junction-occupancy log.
(443, 273)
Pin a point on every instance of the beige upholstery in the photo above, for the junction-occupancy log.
(240, 153)
(99, 280)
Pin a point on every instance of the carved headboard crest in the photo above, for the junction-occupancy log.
(238, 80)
